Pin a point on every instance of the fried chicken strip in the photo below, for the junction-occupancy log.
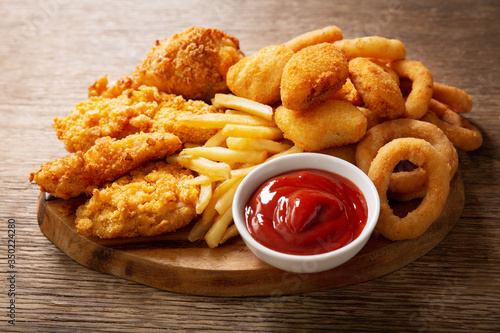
(108, 159)
(193, 63)
(151, 200)
(142, 110)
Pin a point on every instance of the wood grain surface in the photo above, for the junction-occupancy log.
(232, 269)
(52, 50)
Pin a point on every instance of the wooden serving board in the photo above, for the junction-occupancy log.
(170, 262)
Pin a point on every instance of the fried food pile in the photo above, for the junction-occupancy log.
(169, 143)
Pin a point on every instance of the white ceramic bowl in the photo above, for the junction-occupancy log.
(305, 263)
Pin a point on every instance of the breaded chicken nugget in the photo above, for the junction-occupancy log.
(332, 123)
(108, 159)
(258, 76)
(313, 75)
(153, 199)
(377, 88)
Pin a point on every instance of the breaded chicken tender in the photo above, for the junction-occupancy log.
(193, 63)
(332, 123)
(258, 76)
(151, 200)
(313, 75)
(142, 110)
(108, 159)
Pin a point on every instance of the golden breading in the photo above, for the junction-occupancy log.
(377, 88)
(313, 75)
(142, 110)
(108, 159)
(192, 63)
(151, 200)
(258, 77)
(333, 123)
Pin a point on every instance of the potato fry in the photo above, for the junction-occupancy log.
(230, 232)
(292, 150)
(245, 131)
(201, 165)
(214, 234)
(257, 144)
(227, 155)
(210, 212)
(204, 198)
(200, 180)
(219, 120)
(198, 230)
(216, 140)
(234, 102)
(226, 199)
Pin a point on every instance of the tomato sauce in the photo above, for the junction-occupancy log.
(306, 212)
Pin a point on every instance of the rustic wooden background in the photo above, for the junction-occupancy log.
(52, 50)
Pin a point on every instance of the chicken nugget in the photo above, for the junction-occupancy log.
(332, 123)
(313, 75)
(258, 77)
(377, 88)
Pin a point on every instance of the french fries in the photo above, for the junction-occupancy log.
(247, 137)
(242, 104)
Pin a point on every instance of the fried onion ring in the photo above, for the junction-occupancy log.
(377, 88)
(457, 99)
(410, 184)
(459, 131)
(327, 34)
(424, 155)
(313, 75)
(372, 47)
(422, 87)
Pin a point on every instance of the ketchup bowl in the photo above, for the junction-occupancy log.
(306, 230)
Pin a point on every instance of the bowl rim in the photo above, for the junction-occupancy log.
(246, 185)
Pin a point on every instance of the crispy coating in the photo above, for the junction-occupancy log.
(151, 200)
(258, 76)
(457, 99)
(142, 110)
(313, 75)
(424, 155)
(108, 159)
(377, 88)
(328, 34)
(417, 102)
(372, 47)
(332, 123)
(349, 94)
(193, 63)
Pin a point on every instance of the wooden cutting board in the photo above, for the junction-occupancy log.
(170, 262)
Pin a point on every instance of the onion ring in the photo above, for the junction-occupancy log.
(459, 131)
(327, 34)
(372, 47)
(424, 155)
(422, 87)
(377, 88)
(405, 185)
(457, 99)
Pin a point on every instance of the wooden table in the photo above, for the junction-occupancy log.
(52, 50)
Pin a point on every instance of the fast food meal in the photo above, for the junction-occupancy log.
(167, 145)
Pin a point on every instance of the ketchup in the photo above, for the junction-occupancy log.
(306, 212)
